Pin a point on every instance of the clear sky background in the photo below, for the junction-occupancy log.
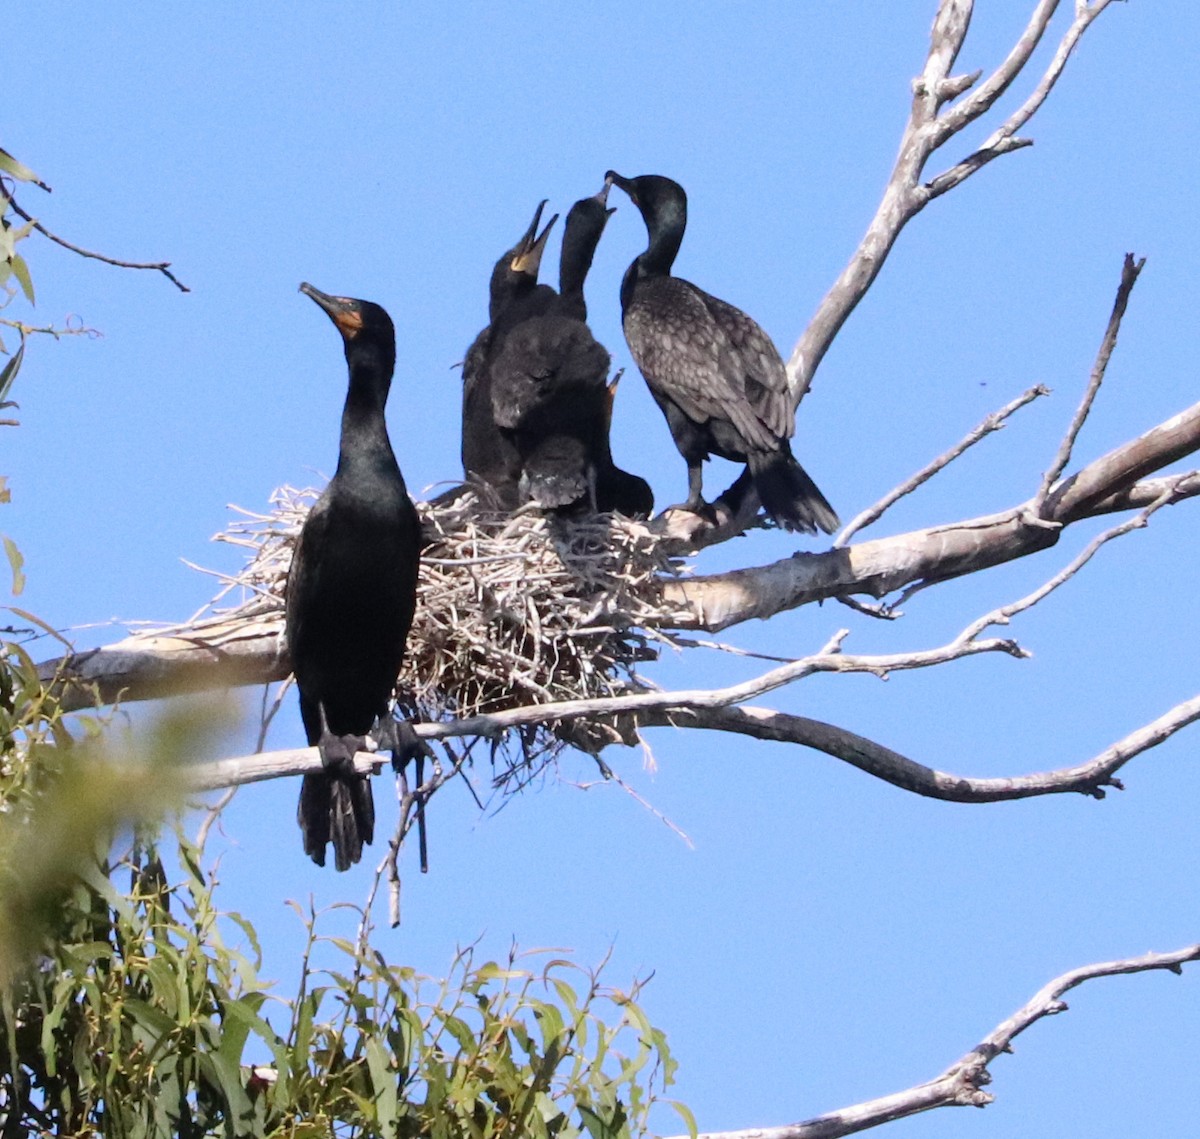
(829, 938)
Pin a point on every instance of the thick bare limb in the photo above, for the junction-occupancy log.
(1089, 778)
(248, 650)
(877, 568)
(962, 1084)
(932, 123)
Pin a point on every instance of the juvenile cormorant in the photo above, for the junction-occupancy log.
(351, 593)
(712, 370)
(618, 490)
(549, 390)
(514, 295)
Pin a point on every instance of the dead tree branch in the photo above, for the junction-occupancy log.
(1129, 276)
(992, 423)
(1089, 778)
(932, 123)
(249, 651)
(962, 1084)
(163, 267)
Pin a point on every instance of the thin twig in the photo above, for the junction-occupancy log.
(1129, 275)
(992, 423)
(164, 267)
(1090, 778)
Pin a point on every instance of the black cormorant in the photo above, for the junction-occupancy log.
(489, 457)
(351, 592)
(549, 390)
(712, 370)
(618, 490)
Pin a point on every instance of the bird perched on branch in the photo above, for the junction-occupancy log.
(351, 594)
(713, 371)
(550, 394)
(488, 457)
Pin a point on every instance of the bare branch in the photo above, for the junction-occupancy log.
(929, 128)
(961, 1085)
(246, 647)
(271, 765)
(1003, 615)
(1081, 495)
(879, 567)
(164, 267)
(1003, 140)
(1129, 276)
(992, 423)
(1089, 778)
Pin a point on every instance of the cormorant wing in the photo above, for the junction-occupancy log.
(756, 362)
(304, 574)
(689, 357)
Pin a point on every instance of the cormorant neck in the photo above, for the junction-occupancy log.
(665, 227)
(364, 429)
(579, 247)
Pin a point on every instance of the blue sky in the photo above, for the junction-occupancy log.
(829, 938)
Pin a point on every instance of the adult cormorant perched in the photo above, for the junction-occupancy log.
(549, 390)
(351, 593)
(514, 295)
(712, 370)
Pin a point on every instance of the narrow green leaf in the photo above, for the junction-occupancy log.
(685, 1113)
(21, 272)
(19, 170)
(17, 561)
(383, 1083)
(9, 373)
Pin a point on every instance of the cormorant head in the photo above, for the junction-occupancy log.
(352, 317)
(361, 323)
(663, 205)
(581, 234)
(526, 256)
(660, 199)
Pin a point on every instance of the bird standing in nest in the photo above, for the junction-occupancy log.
(550, 394)
(351, 594)
(488, 456)
(713, 371)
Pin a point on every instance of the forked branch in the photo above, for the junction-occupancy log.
(935, 119)
(962, 1084)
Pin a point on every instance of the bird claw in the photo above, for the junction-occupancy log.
(339, 751)
(400, 738)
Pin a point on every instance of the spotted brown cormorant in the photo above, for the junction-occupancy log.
(488, 456)
(712, 370)
(549, 390)
(351, 593)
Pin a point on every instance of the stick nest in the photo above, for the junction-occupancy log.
(512, 610)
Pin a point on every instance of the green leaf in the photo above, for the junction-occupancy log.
(10, 370)
(19, 170)
(597, 1126)
(383, 1082)
(685, 1113)
(21, 272)
(153, 1020)
(17, 561)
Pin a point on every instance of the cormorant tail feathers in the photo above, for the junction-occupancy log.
(788, 495)
(336, 807)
